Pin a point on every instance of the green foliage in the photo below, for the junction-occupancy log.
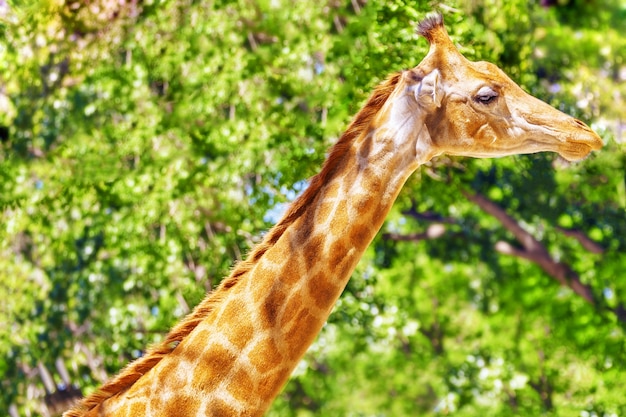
(145, 148)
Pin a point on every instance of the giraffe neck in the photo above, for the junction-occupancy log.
(238, 358)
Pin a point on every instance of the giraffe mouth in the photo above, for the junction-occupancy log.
(576, 151)
(570, 138)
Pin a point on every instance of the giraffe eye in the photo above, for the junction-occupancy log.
(486, 95)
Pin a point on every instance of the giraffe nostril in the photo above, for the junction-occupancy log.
(581, 124)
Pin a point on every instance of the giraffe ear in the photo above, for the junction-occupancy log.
(429, 91)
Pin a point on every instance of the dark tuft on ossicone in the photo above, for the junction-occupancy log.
(426, 26)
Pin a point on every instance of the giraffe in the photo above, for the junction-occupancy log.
(235, 351)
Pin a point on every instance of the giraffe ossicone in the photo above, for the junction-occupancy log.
(235, 351)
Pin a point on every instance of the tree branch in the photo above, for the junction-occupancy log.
(583, 239)
(427, 216)
(533, 250)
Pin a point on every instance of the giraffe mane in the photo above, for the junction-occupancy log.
(359, 124)
(136, 369)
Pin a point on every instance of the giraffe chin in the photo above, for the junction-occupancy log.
(577, 153)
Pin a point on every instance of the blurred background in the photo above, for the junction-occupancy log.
(147, 145)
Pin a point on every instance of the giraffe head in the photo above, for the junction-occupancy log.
(473, 108)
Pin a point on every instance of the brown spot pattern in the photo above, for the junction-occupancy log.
(182, 406)
(239, 333)
(241, 386)
(322, 288)
(312, 251)
(265, 355)
(219, 408)
(216, 365)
